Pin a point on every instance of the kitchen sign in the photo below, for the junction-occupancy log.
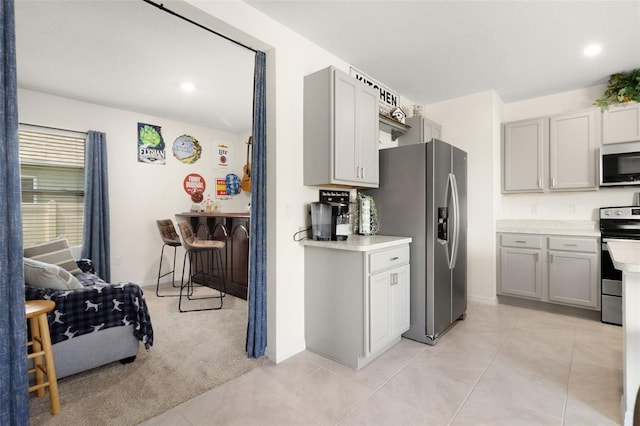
(386, 96)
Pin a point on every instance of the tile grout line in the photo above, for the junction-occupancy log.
(377, 389)
(473, 387)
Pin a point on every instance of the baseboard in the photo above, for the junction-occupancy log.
(550, 307)
(483, 300)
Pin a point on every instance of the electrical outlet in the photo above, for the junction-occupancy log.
(117, 261)
(572, 208)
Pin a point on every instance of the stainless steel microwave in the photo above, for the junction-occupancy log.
(620, 164)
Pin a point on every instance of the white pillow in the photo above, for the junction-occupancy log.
(45, 275)
(55, 252)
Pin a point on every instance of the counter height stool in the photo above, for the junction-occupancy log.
(169, 238)
(194, 246)
(40, 345)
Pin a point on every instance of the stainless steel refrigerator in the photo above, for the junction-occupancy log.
(423, 195)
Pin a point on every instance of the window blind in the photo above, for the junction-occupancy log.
(52, 178)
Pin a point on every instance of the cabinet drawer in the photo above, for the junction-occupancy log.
(385, 259)
(573, 244)
(521, 240)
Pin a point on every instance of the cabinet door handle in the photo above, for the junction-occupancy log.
(362, 169)
(570, 245)
(394, 258)
(550, 258)
(394, 279)
(520, 241)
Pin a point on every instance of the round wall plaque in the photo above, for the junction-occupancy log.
(186, 149)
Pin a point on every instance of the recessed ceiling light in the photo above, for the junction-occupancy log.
(187, 86)
(592, 50)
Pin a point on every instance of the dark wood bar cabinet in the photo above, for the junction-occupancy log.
(233, 229)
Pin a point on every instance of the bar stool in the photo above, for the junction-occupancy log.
(194, 246)
(40, 344)
(169, 238)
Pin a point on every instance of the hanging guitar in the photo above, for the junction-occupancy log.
(246, 178)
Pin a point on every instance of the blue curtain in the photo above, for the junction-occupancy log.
(257, 298)
(14, 392)
(95, 241)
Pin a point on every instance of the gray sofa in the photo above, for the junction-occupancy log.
(95, 325)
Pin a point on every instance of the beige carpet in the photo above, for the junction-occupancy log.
(192, 352)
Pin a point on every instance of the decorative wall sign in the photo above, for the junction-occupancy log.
(151, 147)
(386, 97)
(193, 183)
(221, 189)
(187, 149)
(223, 158)
(233, 184)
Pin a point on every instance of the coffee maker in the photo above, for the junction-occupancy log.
(330, 217)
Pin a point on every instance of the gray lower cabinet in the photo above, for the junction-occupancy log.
(521, 266)
(556, 269)
(356, 302)
(573, 271)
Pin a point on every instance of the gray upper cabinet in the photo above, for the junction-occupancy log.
(422, 130)
(573, 148)
(340, 130)
(621, 123)
(557, 153)
(523, 152)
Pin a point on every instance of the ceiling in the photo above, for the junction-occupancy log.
(429, 51)
(134, 56)
(131, 55)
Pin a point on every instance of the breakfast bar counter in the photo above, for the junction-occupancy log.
(626, 257)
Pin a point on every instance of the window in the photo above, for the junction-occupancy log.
(52, 176)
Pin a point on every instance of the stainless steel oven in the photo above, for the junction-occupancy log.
(615, 223)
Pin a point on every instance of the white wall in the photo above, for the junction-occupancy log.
(565, 206)
(472, 123)
(289, 59)
(139, 193)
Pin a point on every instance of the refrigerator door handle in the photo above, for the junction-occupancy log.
(456, 220)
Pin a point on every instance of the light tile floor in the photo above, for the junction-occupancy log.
(502, 365)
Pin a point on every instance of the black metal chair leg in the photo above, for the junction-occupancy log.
(190, 283)
(172, 272)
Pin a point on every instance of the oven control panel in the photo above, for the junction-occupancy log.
(620, 213)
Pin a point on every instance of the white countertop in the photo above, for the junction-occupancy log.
(625, 254)
(581, 228)
(359, 242)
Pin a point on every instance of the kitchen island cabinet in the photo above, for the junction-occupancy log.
(341, 130)
(233, 229)
(356, 297)
(626, 258)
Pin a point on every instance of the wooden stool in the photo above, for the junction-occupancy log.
(40, 343)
